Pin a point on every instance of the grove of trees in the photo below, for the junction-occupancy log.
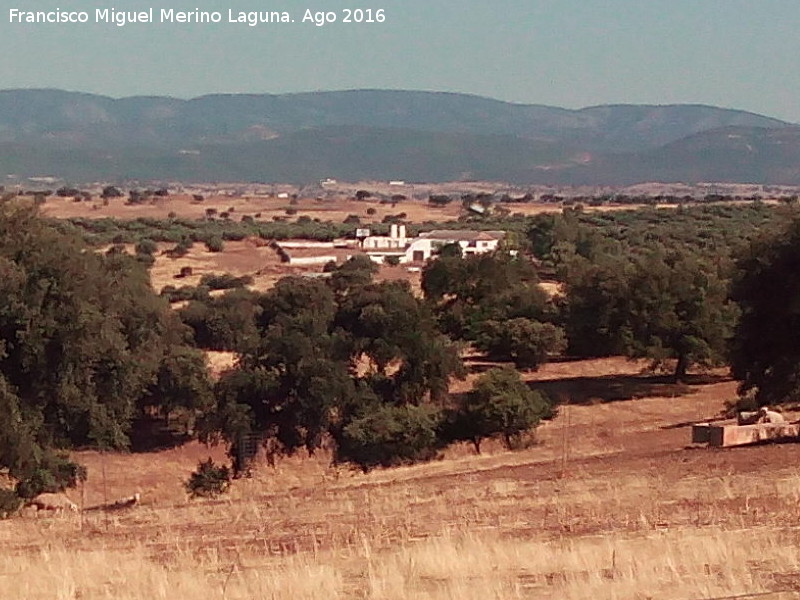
(85, 348)
(363, 368)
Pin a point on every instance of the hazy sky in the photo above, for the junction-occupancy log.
(573, 53)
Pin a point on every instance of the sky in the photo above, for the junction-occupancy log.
(740, 54)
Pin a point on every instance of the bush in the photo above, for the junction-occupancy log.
(525, 341)
(67, 192)
(371, 211)
(215, 244)
(439, 200)
(209, 480)
(54, 473)
(111, 191)
(392, 261)
(225, 281)
(147, 247)
(389, 435)
(227, 322)
(186, 292)
(10, 503)
(181, 249)
(501, 405)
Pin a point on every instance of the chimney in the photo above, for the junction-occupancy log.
(402, 231)
(393, 231)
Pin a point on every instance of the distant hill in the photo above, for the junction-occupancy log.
(384, 135)
(726, 154)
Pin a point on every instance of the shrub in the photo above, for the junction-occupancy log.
(291, 211)
(181, 249)
(10, 503)
(233, 236)
(501, 405)
(147, 247)
(389, 435)
(392, 261)
(209, 480)
(111, 191)
(525, 341)
(439, 200)
(54, 473)
(186, 292)
(371, 211)
(66, 192)
(215, 244)
(225, 281)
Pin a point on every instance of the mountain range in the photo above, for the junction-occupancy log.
(380, 134)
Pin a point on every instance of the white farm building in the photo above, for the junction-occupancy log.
(420, 249)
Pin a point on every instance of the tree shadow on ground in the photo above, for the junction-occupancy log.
(613, 388)
(149, 434)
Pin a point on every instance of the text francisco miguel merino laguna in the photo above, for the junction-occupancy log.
(164, 15)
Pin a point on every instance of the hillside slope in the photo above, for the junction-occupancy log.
(379, 135)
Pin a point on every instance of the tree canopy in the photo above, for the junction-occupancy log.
(765, 354)
(84, 339)
(329, 354)
(659, 305)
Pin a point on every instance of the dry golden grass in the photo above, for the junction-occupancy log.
(455, 565)
(183, 206)
(246, 257)
(336, 210)
(609, 504)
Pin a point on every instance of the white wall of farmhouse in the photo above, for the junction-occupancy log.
(427, 245)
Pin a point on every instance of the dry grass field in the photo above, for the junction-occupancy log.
(266, 208)
(609, 503)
